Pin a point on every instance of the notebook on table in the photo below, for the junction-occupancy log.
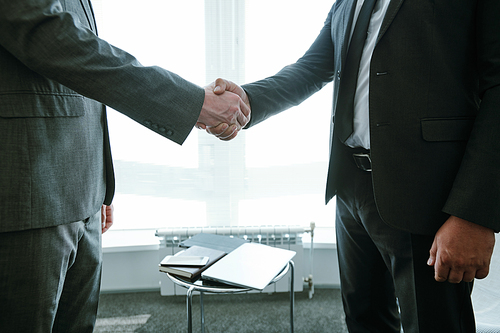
(251, 265)
(192, 273)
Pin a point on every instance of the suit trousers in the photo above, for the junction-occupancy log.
(50, 278)
(385, 279)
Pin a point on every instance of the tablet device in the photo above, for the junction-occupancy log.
(190, 261)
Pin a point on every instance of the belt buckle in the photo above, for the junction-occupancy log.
(358, 158)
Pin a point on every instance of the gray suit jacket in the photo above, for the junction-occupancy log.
(55, 164)
(434, 108)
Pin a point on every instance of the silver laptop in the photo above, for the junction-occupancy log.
(251, 265)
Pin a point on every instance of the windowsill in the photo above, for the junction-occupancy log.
(145, 240)
(130, 241)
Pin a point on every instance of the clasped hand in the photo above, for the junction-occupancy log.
(461, 251)
(226, 110)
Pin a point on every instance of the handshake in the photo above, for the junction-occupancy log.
(226, 110)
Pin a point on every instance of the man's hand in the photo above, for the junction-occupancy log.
(224, 130)
(227, 112)
(106, 217)
(461, 251)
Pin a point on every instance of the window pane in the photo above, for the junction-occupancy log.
(287, 155)
(156, 33)
(273, 173)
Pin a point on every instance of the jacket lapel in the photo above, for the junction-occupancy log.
(392, 10)
(348, 28)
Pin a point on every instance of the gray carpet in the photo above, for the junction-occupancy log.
(240, 313)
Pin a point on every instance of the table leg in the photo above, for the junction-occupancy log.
(190, 309)
(202, 313)
(292, 294)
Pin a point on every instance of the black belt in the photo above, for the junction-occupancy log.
(363, 161)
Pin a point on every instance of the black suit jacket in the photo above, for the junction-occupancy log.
(434, 108)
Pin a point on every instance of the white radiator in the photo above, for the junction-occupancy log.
(286, 237)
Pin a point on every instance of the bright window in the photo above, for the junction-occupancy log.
(273, 173)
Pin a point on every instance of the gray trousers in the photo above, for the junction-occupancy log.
(50, 278)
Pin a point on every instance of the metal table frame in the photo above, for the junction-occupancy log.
(226, 289)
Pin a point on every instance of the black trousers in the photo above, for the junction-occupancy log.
(382, 267)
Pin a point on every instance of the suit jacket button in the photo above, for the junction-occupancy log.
(162, 129)
(170, 133)
(154, 126)
(147, 123)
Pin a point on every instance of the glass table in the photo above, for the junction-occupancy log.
(208, 287)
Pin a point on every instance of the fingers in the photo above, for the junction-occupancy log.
(227, 108)
(456, 274)
(224, 131)
(432, 254)
(461, 251)
(445, 269)
(243, 115)
(242, 119)
(103, 216)
(218, 109)
(106, 217)
(441, 272)
(246, 110)
(468, 276)
(482, 273)
(106, 227)
(220, 85)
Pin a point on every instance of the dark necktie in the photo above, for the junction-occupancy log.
(344, 111)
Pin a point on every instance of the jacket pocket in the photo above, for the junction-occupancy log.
(447, 129)
(31, 104)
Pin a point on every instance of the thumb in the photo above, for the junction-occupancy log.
(220, 85)
(432, 254)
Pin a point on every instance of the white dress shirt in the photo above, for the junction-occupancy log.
(361, 134)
